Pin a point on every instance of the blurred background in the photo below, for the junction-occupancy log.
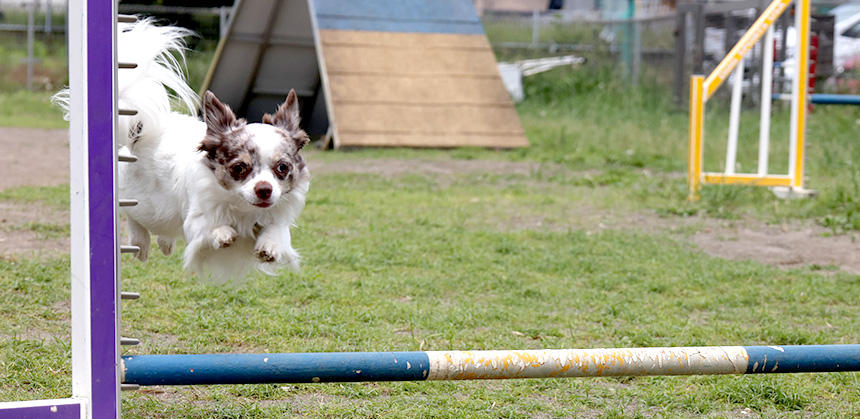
(654, 42)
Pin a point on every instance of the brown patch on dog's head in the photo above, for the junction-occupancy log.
(287, 118)
(229, 153)
(289, 166)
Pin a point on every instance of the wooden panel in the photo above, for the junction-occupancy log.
(417, 90)
(511, 5)
(411, 40)
(409, 61)
(353, 139)
(425, 90)
(428, 119)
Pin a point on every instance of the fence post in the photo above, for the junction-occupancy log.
(48, 16)
(31, 29)
(535, 29)
(680, 53)
(635, 34)
(699, 50)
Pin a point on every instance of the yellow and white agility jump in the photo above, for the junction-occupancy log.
(702, 89)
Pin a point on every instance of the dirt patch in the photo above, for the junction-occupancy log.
(36, 157)
(788, 246)
(391, 168)
(19, 225)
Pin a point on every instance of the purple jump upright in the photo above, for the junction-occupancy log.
(94, 240)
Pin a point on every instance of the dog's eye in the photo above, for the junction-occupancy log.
(238, 170)
(282, 169)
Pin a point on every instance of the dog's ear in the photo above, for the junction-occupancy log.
(287, 118)
(219, 117)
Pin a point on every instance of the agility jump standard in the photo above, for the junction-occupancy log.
(98, 371)
(703, 88)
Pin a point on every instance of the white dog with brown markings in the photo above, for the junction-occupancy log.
(231, 189)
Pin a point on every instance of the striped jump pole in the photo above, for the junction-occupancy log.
(148, 370)
(824, 98)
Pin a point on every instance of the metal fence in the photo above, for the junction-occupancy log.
(24, 22)
(639, 45)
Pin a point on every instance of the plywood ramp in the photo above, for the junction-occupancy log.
(416, 90)
(413, 73)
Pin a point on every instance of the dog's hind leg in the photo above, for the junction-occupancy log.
(139, 236)
(166, 245)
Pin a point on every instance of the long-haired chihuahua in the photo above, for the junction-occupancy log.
(231, 189)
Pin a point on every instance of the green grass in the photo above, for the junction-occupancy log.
(55, 197)
(23, 108)
(410, 263)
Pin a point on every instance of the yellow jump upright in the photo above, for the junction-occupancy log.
(703, 88)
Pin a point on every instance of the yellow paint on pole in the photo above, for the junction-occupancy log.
(697, 121)
(747, 41)
(751, 179)
(473, 365)
(801, 87)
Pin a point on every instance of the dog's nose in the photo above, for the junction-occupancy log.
(263, 190)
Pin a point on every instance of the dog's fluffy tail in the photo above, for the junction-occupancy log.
(156, 86)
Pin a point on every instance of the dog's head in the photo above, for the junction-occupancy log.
(260, 162)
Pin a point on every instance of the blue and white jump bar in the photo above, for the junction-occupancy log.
(148, 370)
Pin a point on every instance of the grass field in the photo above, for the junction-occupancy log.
(542, 247)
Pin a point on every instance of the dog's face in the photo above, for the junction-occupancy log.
(259, 162)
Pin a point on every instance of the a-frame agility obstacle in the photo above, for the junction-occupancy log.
(411, 73)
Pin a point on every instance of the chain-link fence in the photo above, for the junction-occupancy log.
(33, 42)
(649, 40)
(638, 46)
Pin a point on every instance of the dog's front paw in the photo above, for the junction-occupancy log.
(269, 252)
(223, 236)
